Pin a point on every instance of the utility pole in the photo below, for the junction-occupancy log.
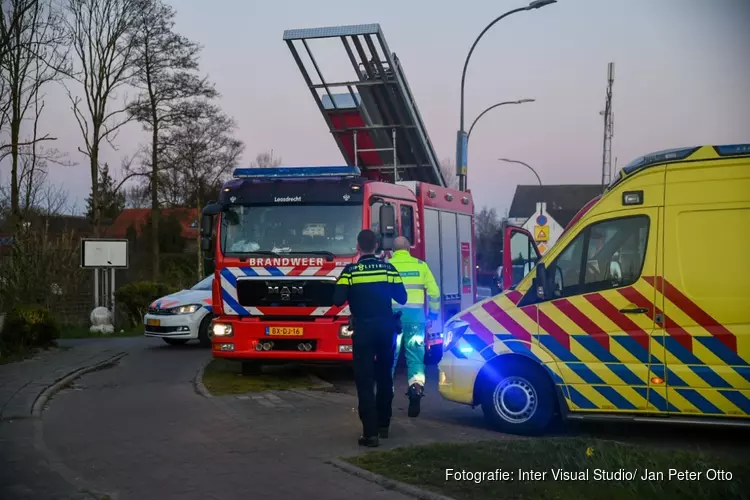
(608, 129)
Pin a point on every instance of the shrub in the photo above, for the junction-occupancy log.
(42, 268)
(136, 297)
(27, 327)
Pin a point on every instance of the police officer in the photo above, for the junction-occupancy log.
(418, 279)
(370, 286)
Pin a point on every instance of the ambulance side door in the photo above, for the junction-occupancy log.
(599, 324)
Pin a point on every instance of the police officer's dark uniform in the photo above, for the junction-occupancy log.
(369, 286)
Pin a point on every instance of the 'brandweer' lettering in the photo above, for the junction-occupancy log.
(285, 262)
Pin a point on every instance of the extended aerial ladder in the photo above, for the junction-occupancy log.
(374, 120)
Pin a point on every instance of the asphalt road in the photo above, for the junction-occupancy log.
(139, 431)
(723, 440)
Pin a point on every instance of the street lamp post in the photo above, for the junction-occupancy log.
(521, 101)
(462, 139)
(525, 165)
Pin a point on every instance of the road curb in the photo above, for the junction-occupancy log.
(198, 385)
(387, 483)
(51, 390)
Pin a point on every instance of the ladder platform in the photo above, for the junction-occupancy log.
(372, 116)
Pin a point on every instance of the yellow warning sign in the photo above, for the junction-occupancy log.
(541, 233)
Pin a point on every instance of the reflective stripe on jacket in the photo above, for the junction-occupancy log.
(417, 279)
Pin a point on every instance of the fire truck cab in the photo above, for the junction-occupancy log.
(280, 237)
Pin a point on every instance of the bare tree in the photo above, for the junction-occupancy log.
(35, 55)
(10, 18)
(137, 196)
(265, 160)
(101, 33)
(201, 150)
(166, 64)
(448, 168)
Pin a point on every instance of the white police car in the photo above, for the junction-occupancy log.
(182, 316)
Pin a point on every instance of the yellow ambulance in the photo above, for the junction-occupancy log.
(641, 310)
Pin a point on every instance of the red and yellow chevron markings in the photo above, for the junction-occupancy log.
(605, 360)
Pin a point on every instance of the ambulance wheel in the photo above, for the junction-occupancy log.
(204, 336)
(433, 355)
(175, 341)
(518, 399)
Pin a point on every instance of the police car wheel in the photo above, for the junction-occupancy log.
(203, 331)
(521, 401)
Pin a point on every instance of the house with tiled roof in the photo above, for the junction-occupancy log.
(137, 218)
(544, 211)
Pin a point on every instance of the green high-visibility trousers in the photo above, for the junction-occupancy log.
(413, 339)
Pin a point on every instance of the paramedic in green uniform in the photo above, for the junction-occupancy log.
(417, 279)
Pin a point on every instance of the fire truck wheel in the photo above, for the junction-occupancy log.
(175, 341)
(521, 400)
(203, 334)
(433, 355)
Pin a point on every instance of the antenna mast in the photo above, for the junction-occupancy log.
(608, 129)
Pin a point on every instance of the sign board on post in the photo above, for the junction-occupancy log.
(101, 254)
(104, 253)
(541, 233)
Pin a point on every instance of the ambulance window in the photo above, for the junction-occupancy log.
(605, 255)
(567, 268)
(407, 223)
(616, 251)
(523, 255)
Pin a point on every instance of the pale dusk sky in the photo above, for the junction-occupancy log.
(682, 77)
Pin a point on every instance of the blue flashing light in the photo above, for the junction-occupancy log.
(659, 157)
(466, 349)
(733, 150)
(295, 172)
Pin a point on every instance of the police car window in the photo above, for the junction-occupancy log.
(407, 222)
(204, 284)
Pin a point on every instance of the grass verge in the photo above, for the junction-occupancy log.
(82, 332)
(223, 377)
(426, 467)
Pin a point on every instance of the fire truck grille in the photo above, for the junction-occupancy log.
(301, 293)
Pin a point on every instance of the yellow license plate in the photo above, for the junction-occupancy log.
(285, 331)
(153, 322)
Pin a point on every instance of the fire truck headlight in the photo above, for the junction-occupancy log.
(222, 330)
(345, 332)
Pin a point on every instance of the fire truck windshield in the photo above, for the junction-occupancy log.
(294, 228)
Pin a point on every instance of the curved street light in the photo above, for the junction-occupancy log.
(462, 138)
(521, 101)
(525, 165)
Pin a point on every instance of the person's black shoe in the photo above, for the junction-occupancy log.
(370, 442)
(383, 433)
(415, 393)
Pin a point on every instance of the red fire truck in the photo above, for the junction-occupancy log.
(279, 237)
